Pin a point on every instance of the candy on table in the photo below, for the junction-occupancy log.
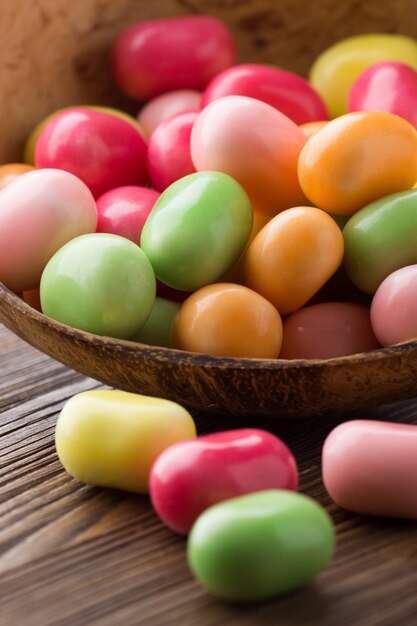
(227, 137)
(99, 283)
(111, 438)
(388, 86)
(327, 330)
(124, 210)
(394, 307)
(10, 171)
(156, 331)
(368, 467)
(166, 105)
(335, 70)
(39, 213)
(190, 476)
(102, 149)
(293, 256)
(289, 93)
(197, 229)
(156, 56)
(258, 546)
(358, 158)
(381, 238)
(169, 151)
(228, 320)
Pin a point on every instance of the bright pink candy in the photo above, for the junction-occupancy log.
(388, 86)
(327, 330)
(394, 307)
(102, 149)
(160, 55)
(289, 93)
(168, 104)
(123, 211)
(169, 152)
(190, 476)
(369, 467)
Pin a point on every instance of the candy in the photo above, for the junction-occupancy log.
(228, 137)
(368, 468)
(40, 212)
(102, 149)
(260, 545)
(166, 105)
(228, 320)
(124, 210)
(356, 159)
(380, 239)
(335, 70)
(311, 128)
(289, 93)
(156, 331)
(11, 171)
(111, 438)
(293, 256)
(389, 86)
(155, 56)
(169, 152)
(327, 330)
(100, 283)
(189, 477)
(394, 307)
(197, 230)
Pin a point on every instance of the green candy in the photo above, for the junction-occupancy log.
(99, 283)
(381, 238)
(197, 229)
(157, 328)
(260, 545)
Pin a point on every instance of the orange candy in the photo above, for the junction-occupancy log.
(224, 319)
(311, 128)
(10, 171)
(356, 159)
(293, 256)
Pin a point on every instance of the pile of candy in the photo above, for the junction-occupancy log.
(251, 536)
(265, 229)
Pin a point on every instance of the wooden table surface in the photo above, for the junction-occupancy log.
(72, 554)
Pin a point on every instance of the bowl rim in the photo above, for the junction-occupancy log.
(175, 356)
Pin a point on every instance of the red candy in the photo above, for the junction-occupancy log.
(169, 153)
(102, 149)
(287, 92)
(156, 56)
(123, 211)
(190, 476)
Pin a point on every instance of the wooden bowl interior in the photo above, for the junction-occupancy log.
(56, 54)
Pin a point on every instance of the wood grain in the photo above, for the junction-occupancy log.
(75, 555)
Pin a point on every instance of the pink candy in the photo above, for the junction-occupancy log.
(199, 48)
(369, 467)
(389, 86)
(168, 104)
(169, 153)
(285, 91)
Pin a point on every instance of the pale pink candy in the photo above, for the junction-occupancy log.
(327, 330)
(168, 104)
(123, 211)
(39, 213)
(394, 307)
(369, 467)
(169, 152)
(388, 86)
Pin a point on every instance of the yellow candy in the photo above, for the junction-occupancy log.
(111, 438)
(335, 70)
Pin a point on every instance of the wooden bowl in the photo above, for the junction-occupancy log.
(55, 54)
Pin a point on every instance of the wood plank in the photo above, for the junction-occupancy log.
(72, 554)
